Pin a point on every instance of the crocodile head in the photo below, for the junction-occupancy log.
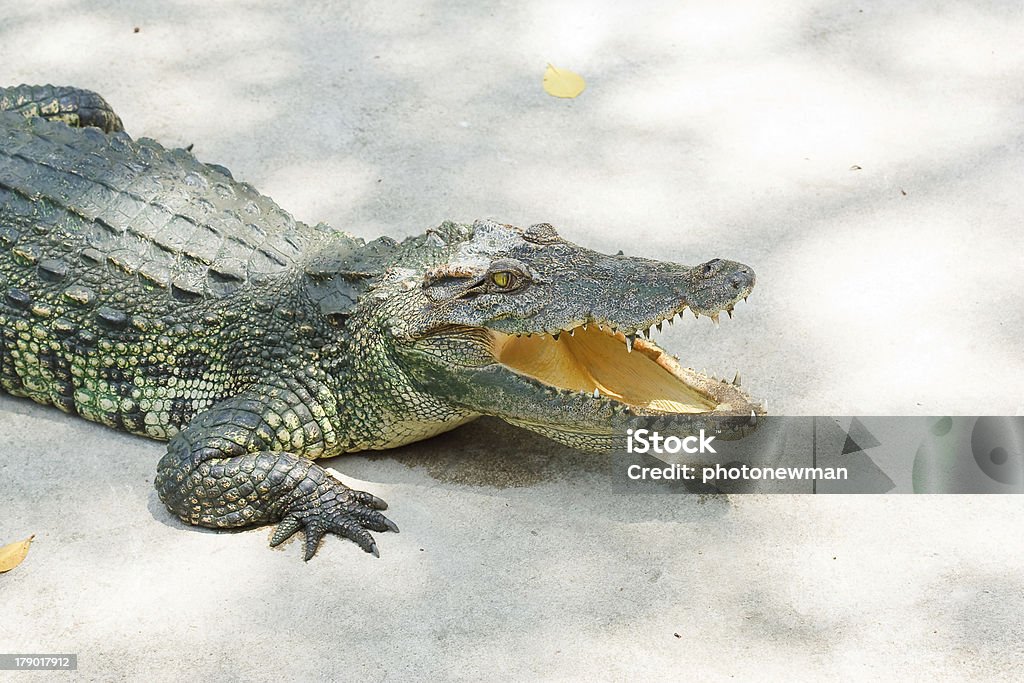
(523, 325)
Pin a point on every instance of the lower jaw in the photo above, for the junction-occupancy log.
(594, 361)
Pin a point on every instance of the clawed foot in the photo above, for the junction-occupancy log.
(335, 508)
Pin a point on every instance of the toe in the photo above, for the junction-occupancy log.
(285, 530)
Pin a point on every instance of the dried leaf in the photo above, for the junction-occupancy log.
(562, 82)
(12, 554)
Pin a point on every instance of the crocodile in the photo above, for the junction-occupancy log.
(150, 292)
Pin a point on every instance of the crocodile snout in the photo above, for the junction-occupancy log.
(742, 278)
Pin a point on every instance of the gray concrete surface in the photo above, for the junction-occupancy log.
(707, 129)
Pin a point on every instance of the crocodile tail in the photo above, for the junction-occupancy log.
(76, 107)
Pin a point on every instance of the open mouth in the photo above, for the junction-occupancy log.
(623, 367)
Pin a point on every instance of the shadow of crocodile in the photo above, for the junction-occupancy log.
(492, 453)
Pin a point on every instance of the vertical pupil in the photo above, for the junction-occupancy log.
(500, 279)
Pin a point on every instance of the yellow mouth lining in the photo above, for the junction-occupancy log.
(592, 359)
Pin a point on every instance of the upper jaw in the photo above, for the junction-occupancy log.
(657, 293)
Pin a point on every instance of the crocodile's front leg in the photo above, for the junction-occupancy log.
(228, 468)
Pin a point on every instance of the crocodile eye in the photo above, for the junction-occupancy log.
(505, 276)
(502, 278)
(710, 268)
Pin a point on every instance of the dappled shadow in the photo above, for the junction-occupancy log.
(687, 145)
(706, 131)
(978, 619)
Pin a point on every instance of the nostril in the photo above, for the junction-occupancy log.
(740, 279)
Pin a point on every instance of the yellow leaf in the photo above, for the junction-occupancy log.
(11, 555)
(562, 82)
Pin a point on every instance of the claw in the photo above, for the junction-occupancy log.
(361, 537)
(374, 520)
(314, 534)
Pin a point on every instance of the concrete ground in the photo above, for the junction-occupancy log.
(864, 158)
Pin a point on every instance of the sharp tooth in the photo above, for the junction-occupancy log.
(714, 318)
(597, 394)
(572, 332)
(584, 327)
(672, 320)
(729, 311)
(629, 342)
(694, 313)
(660, 322)
(736, 379)
(753, 418)
(645, 333)
(555, 336)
